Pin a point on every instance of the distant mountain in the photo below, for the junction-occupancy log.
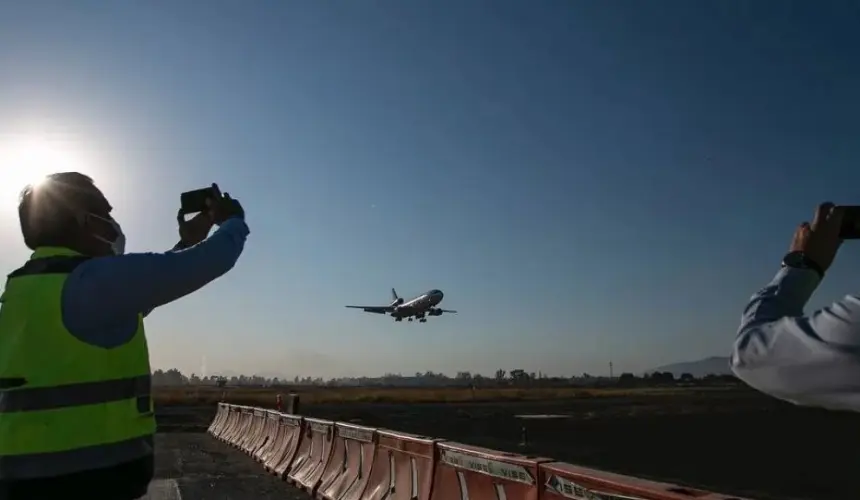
(715, 365)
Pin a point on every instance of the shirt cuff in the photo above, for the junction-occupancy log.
(799, 284)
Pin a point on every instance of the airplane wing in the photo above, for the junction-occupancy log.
(374, 309)
(448, 311)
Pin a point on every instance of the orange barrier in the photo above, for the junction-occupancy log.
(233, 421)
(290, 436)
(464, 471)
(248, 429)
(258, 435)
(253, 433)
(240, 428)
(218, 421)
(315, 453)
(402, 468)
(339, 461)
(561, 481)
(351, 460)
(267, 437)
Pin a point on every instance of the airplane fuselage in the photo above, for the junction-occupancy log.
(419, 306)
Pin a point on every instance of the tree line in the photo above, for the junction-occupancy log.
(501, 378)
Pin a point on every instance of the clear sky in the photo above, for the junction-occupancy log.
(585, 181)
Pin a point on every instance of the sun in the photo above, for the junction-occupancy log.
(27, 160)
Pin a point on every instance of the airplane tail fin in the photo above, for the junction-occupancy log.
(394, 294)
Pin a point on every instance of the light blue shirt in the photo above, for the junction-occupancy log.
(811, 360)
(103, 297)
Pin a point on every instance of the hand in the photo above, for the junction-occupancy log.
(195, 230)
(224, 207)
(820, 241)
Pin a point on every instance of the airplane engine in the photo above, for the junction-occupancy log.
(397, 302)
(434, 312)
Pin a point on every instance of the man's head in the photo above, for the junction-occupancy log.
(67, 210)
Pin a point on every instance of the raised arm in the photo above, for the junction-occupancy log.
(810, 360)
(110, 290)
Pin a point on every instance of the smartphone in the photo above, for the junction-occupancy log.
(195, 201)
(850, 222)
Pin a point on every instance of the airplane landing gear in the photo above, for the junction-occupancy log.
(410, 319)
(398, 319)
(422, 320)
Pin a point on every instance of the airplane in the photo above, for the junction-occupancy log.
(416, 308)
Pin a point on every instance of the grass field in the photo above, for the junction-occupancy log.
(265, 397)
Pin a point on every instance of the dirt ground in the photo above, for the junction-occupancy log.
(737, 442)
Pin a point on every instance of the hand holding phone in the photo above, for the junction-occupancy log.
(198, 200)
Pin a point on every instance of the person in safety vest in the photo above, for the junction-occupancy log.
(76, 409)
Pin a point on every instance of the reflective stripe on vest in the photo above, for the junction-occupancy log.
(85, 393)
(67, 462)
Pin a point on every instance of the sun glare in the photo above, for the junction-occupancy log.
(27, 160)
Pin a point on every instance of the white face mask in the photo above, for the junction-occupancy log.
(117, 245)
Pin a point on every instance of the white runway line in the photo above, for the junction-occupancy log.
(163, 489)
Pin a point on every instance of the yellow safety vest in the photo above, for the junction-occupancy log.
(65, 406)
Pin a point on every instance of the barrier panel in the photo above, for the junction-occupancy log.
(267, 437)
(240, 430)
(562, 481)
(234, 418)
(251, 432)
(402, 468)
(260, 435)
(464, 471)
(316, 448)
(284, 458)
(220, 416)
(236, 421)
(352, 454)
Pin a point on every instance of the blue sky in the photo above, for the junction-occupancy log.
(586, 181)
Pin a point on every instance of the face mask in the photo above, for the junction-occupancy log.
(117, 245)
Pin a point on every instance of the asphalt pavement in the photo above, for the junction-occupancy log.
(196, 466)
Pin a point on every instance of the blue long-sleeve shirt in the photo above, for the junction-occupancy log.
(810, 359)
(103, 297)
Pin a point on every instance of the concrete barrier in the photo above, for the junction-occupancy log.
(220, 417)
(268, 436)
(317, 441)
(241, 427)
(290, 434)
(253, 432)
(233, 415)
(351, 459)
(402, 468)
(562, 481)
(222, 427)
(464, 471)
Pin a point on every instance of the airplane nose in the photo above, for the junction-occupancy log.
(439, 295)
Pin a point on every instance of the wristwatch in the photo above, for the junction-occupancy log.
(799, 260)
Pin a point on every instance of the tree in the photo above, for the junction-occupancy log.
(687, 377)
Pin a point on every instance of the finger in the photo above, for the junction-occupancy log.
(180, 216)
(822, 212)
(216, 189)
